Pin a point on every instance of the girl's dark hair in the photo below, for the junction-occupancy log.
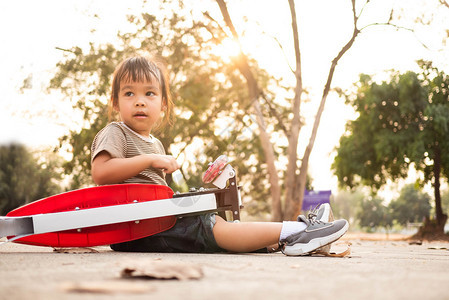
(143, 69)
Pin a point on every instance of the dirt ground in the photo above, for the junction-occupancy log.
(377, 268)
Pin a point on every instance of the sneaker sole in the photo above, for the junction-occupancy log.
(301, 249)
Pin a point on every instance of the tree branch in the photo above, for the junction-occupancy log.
(228, 21)
(275, 114)
(65, 50)
(272, 110)
(282, 50)
(363, 8)
(397, 27)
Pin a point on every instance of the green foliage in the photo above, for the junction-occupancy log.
(23, 178)
(211, 98)
(411, 206)
(401, 121)
(376, 144)
(370, 212)
(373, 214)
(362, 209)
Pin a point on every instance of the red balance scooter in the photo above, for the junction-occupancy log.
(112, 214)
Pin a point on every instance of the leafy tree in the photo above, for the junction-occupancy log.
(373, 214)
(23, 178)
(401, 121)
(210, 96)
(411, 206)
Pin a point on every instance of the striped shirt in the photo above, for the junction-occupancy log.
(120, 141)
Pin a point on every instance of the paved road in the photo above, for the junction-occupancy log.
(374, 270)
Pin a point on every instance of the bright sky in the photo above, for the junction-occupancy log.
(30, 31)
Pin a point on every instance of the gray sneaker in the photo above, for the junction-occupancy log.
(316, 235)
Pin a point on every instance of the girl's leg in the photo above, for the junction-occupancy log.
(246, 237)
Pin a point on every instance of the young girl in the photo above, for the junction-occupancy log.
(126, 152)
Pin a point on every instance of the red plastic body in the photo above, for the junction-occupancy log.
(98, 197)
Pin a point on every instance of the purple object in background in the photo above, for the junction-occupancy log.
(314, 198)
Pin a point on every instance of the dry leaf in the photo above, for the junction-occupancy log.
(417, 242)
(438, 248)
(106, 287)
(161, 270)
(75, 250)
(344, 253)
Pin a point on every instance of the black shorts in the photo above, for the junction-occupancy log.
(189, 235)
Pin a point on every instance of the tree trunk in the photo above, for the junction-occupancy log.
(292, 151)
(270, 158)
(441, 218)
(254, 94)
(434, 228)
(295, 207)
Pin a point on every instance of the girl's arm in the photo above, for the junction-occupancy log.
(108, 170)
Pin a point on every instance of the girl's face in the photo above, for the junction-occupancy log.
(140, 105)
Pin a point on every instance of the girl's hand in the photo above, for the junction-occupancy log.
(165, 162)
(108, 170)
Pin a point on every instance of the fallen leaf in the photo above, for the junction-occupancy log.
(438, 248)
(161, 270)
(106, 287)
(344, 253)
(75, 250)
(417, 242)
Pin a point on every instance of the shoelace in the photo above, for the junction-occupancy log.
(312, 216)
